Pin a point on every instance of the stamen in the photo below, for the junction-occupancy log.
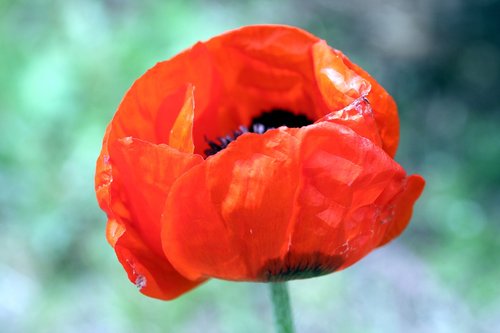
(265, 121)
(223, 141)
(259, 128)
(299, 266)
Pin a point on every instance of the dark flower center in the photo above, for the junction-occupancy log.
(265, 121)
(299, 266)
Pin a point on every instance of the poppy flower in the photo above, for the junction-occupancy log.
(261, 154)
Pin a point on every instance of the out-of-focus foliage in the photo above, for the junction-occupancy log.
(65, 65)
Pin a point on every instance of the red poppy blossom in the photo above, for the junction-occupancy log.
(260, 155)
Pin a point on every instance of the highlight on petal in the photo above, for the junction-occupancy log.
(338, 84)
(384, 106)
(181, 134)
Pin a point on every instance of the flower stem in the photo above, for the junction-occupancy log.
(281, 307)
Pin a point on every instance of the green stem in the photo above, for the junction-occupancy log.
(281, 306)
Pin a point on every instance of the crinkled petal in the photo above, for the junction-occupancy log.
(384, 106)
(227, 216)
(338, 84)
(140, 175)
(290, 203)
(349, 187)
(264, 67)
(358, 116)
(282, 205)
(151, 273)
(400, 216)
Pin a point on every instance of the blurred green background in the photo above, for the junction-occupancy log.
(64, 67)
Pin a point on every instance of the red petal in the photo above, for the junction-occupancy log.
(319, 192)
(289, 195)
(386, 111)
(140, 175)
(281, 46)
(358, 116)
(226, 217)
(151, 106)
(262, 68)
(103, 177)
(350, 189)
(338, 85)
(403, 208)
(152, 274)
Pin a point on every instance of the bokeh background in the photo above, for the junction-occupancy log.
(64, 67)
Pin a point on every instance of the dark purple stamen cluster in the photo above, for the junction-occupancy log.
(265, 121)
(299, 266)
(223, 141)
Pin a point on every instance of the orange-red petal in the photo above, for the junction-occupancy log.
(140, 175)
(227, 216)
(151, 106)
(261, 68)
(151, 273)
(181, 134)
(403, 208)
(338, 84)
(359, 117)
(268, 205)
(265, 67)
(321, 191)
(349, 186)
(384, 106)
